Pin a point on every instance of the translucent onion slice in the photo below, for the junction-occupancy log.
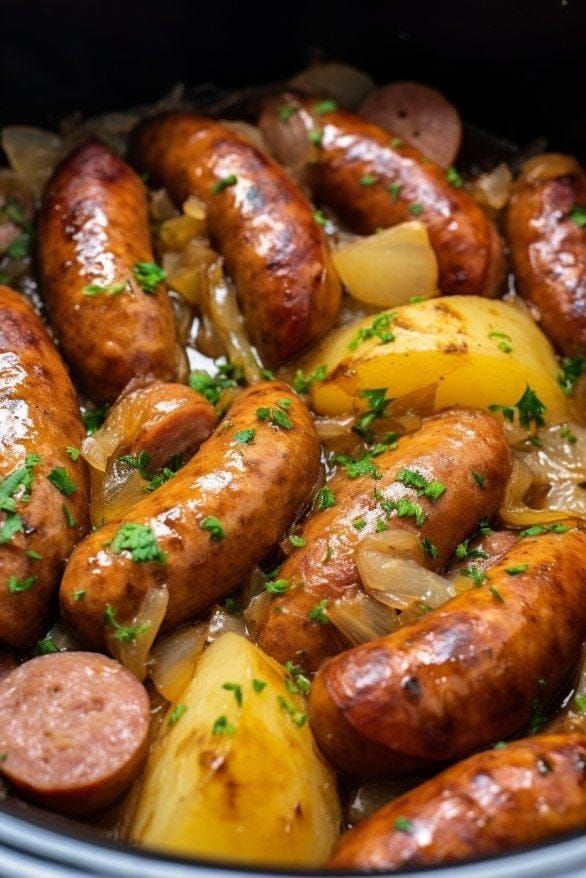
(493, 189)
(174, 658)
(33, 153)
(360, 618)
(346, 84)
(134, 654)
(389, 268)
(515, 512)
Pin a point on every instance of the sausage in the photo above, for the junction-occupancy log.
(449, 447)
(467, 674)
(529, 791)
(548, 248)
(374, 180)
(39, 415)
(93, 232)
(73, 730)
(208, 526)
(484, 551)
(262, 225)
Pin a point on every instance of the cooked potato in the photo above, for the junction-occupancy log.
(237, 775)
(387, 269)
(478, 351)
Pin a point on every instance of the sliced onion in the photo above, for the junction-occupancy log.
(247, 131)
(32, 153)
(134, 655)
(360, 618)
(493, 189)
(221, 621)
(515, 511)
(390, 573)
(174, 658)
(345, 83)
(390, 267)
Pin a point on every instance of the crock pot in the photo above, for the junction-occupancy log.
(512, 67)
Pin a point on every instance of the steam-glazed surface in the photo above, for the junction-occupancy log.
(274, 250)
(93, 232)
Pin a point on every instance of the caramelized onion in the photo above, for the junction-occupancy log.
(493, 189)
(133, 654)
(514, 511)
(32, 153)
(174, 658)
(360, 618)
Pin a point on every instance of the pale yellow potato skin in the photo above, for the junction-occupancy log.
(446, 341)
(262, 795)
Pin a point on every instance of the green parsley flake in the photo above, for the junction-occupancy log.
(79, 594)
(302, 382)
(211, 386)
(296, 682)
(325, 498)
(454, 178)
(478, 478)
(367, 180)
(258, 685)
(236, 688)
(327, 106)
(578, 216)
(395, 191)
(275, 416)
(529, 406)
(94, 418)
(474, 573)
(580, 703)
(286, 112)
(138, 462)
(377, 406)
(277, 586)
(46, 646)
(429, 548)
(149, 276)
(93, 290)
(69, 516)
(34, 555)
(407, 509)
(416, 209)
(403, 825)
(396, 143)
(379, 328)
(496, 593)
(223, 727)
(214, 526)
(359, 523)
(297, 541)
(62, 481)
(15, 586)
(411, 478)
(140, 541)
(297, 716)
(178, 711)
(516, 569)
(316, 136)
(123, 633)
(72, 452)
(320, 218)
(224, 183)
(244, 437)
(319, 614)
(572, 369)
(362, 466)
(537, 529)
(567, 434)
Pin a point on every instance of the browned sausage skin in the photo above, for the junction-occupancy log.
(39, 416)
(402, 186)
(467, 674)
(448, 448)
(548, 247)
(252, 487)
(493, 802)
(73, 730)
(274, 250)
(93, 231)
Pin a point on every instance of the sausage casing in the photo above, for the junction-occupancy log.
(448, 447)
(251, 487)
(373, 180)
(260, 222)
(39, 415)
(548, 247)
(493, 802)
(467, 674)
(93, 231)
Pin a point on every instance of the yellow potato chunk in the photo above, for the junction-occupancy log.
(234, 773)
(477, 351)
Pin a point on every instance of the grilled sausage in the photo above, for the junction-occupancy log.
(93, 232)
(208, 526)
(73, 730)
(373, 180)
(467, 674)
(529, 791)
(257, 218)
(548, 247)
(448, 447)
(39, 415)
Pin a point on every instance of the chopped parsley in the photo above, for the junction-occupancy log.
(123, 633)
(567, 434)
(359, 523)
(474, 573)
(79, 594)
(327, 106)
(286, 112)
(72, 452)
(504, 344)
(316, 135)
(411, 478)
(484, 528)
(93, 290)
(297, 541)
(320, 218)
(138, 462)
(379, 328)
(236, 688)
(537, 529)
(258, 685)
(222, 726)
(224, 183)
(395, 191)
(572, 369)
(211, 386)
(462, 552)
(377, 406)
(516, 569)
(363, 466)
(415, 209)
(15, 586)
(244, 437)
(68, 516)
(403, 825)
(478, 478)
(276, 415)
(367, 180)
(302, 382)
(215, 528)
(296, 681)
(46, 646)
(580, 703)
(406, 509)
(319, 614)
(297, 716)
(496, 593)
(578, 215)
(529, 406)
(538, 718)
(62, 481)
(94, 418)
(178, 711)
(277, 586)
(325, 498)
(454, 178)
(396, 143)
(428, 547)
(20, 248)
(140, 541)
(34, 555)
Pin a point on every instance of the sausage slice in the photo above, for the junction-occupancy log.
(73, 730)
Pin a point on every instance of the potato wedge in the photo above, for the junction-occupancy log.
(478, 351)
(237, 776)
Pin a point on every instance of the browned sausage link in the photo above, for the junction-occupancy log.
(466, 675)
(548, 247)
(213, 521)
(93, 231)
(73, 730)
(373, 180)
(274, 250)
(448, 448)
(43, 499)
(483, 551)
(496, 801)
